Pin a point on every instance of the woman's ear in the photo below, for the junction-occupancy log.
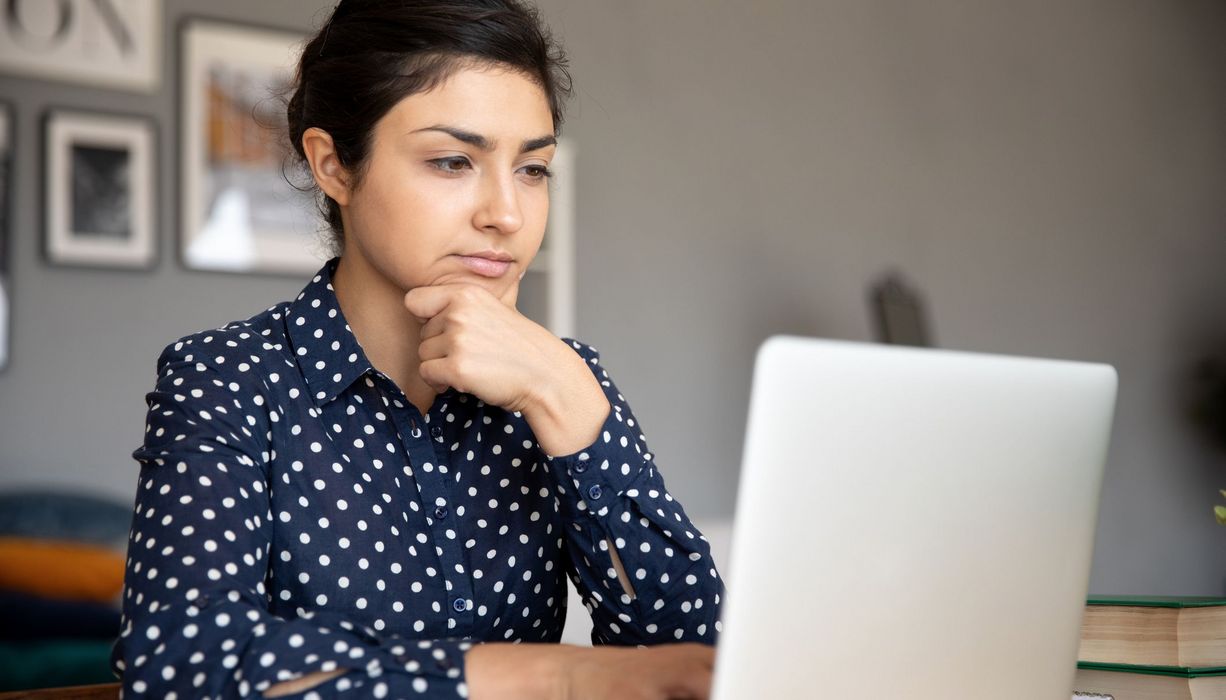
(329, 174)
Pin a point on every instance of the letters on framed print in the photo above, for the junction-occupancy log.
(238, 212)
(99, 190)
(6, 158)
(108, 43)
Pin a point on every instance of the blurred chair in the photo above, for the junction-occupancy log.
(61, 578)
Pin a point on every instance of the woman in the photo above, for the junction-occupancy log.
(378, 488)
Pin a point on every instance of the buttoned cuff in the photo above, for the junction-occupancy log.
(590, 478)
(435, 667)
(391, 682)
(435, 660)
(324, 640)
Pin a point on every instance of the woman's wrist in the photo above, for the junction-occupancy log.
(567, 413)
(505, 671)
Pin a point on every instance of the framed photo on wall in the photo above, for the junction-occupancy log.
(99, 43)
(6, 159)
(238, 211)
(98, 189)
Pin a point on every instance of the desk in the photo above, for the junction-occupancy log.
(101, 691)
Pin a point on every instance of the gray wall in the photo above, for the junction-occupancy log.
(1050, 174)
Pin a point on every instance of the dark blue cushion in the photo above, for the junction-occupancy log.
(63, 515)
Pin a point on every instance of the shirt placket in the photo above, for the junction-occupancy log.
(425, 443)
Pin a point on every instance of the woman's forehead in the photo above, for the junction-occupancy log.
(497, 103)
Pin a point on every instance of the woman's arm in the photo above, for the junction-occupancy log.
(196, 616)
(644, 571)
(508, 671)
(567, 416)
(479, 343)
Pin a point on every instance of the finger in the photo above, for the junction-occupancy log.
(427, 301)
(435, 373)
(438, 388)
(434, 348)
(436, 326)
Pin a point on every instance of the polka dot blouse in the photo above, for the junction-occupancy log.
(296, 513)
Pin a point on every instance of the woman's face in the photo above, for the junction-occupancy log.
(456, 171)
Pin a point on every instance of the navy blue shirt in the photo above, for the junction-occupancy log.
(295, 512)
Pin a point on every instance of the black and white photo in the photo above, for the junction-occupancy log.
(99, 190)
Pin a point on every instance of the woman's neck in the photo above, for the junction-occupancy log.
(387, 332)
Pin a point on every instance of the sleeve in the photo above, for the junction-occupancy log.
(612, 491)
(196, 620)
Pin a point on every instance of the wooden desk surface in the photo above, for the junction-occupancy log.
(101, 691)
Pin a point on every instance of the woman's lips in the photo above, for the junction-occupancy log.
(484, 266)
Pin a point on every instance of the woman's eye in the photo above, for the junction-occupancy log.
(538, 172)
(450, 165)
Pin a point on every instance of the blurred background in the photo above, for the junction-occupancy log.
(1049, 177)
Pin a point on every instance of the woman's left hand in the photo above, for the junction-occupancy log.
(481, 345)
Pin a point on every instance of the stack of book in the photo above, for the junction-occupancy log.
(1151, 648)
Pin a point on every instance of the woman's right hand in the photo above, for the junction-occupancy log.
(664, 672)
(566, 672)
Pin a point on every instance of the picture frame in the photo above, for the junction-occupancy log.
(238, 213)
(6, 296)
(99, 189)
(99, 43)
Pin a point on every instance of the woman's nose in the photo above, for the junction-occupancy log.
(499, 206)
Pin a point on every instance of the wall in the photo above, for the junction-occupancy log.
(1049, 174)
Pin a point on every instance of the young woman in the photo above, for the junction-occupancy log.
(379, 488)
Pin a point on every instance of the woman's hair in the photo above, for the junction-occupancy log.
(373, 53)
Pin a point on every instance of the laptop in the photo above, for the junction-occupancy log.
(912, 523)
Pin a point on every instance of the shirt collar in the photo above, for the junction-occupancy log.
(327, 352)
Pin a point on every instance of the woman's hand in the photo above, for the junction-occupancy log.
(481, 345)
(664, 672)
(502, 671)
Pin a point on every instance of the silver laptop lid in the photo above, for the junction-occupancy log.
(912, 523)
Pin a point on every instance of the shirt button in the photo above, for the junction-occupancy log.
(440, 512)
(436, 431)
(416, 432)
(581, 466)
(459, 605)
(595, 492)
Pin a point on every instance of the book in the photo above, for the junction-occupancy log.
(1130, 682)
(1181, 634)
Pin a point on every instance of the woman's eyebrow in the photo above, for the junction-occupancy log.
(484, 143)
(534, 144)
